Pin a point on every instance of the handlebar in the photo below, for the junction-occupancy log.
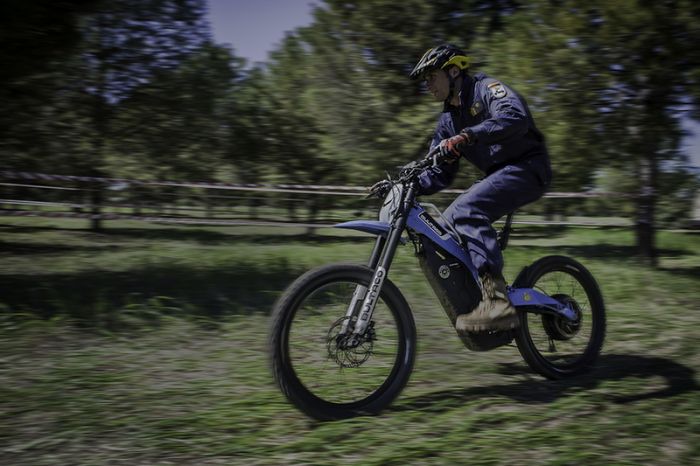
(434, 151)
(432, 159)
(432, 156)
(408, 172)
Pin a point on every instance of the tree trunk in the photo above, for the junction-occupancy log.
(95, 207)
(313, 213)
(291, 210)
(253, 208)
(100, 127)
(645, 230)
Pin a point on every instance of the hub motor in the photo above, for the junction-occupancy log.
(559, 328)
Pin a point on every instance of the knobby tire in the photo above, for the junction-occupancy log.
(290, 382)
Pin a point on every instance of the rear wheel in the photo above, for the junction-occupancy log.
(552, 345)
(323, 372)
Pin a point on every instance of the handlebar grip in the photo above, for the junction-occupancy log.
(434, 151)
(432, 157)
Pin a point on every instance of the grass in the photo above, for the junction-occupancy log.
(146, 345)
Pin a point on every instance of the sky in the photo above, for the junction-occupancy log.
(253, 28)
(691, 143)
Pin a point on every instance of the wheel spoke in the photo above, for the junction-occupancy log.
(551, 344)
(336, 374)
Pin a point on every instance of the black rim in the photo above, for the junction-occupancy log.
(556, 343)
(327, 383)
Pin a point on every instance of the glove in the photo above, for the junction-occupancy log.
(380, 188)
(449, 148)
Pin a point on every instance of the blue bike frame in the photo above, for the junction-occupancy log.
(419, 221)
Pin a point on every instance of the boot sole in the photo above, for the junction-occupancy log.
(504, 323)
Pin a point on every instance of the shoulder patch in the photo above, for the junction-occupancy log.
(498, 90)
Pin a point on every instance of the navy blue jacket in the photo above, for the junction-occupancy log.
(504, 128)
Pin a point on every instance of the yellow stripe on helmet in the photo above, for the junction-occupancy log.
(460, 61)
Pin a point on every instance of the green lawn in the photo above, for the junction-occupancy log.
(146, 345)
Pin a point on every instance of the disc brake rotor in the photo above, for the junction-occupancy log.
(348, 349)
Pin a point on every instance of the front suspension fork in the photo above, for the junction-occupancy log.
(380, 260)
(358, 297)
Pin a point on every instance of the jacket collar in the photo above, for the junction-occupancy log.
(466, 93)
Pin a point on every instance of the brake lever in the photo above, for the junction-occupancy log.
(433, 154)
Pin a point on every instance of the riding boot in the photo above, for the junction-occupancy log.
(494, 312)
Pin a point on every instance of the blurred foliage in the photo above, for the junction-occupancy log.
(128, 88)
(36, 33)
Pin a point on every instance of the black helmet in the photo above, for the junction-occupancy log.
(438, 58)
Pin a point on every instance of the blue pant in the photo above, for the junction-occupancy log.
(500, 193)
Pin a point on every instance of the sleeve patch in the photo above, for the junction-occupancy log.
(498, 90)
(476, 108)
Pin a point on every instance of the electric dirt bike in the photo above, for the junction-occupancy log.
(343, 338)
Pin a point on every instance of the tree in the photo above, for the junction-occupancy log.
(172, 127)
(541, 54)
(36, 34)
(295, 133)
(607, 80)
(653, 73)
(125, 43)
(35, 39)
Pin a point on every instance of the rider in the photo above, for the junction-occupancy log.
(489, 124)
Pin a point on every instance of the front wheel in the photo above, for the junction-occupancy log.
(553, 346)
(317, 367)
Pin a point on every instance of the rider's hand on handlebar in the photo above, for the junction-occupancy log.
(449, 148)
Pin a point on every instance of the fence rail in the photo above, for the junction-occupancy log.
(338, 190)
(214, 209)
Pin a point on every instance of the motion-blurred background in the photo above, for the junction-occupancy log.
(143, 91)
(146, 165)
